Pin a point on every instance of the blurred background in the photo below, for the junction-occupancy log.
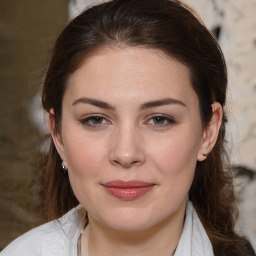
(28, 29)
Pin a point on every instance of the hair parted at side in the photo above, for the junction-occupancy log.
(173, 28)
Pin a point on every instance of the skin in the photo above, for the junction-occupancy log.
(132, 139)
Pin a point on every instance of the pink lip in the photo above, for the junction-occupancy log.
(128, 190)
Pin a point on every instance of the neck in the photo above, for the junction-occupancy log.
(162, 239)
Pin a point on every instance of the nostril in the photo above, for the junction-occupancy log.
(126, 164)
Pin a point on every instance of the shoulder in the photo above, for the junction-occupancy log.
(58, 237)
(27, 244)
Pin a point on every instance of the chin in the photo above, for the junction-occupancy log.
(131, 219)
(130, 225)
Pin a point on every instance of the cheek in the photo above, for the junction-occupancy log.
(84, 154)
(175, 158)
(175, 152)
(85, 158)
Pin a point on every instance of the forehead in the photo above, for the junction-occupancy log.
(131, 73)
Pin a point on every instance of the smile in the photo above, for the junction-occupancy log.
(128, 190)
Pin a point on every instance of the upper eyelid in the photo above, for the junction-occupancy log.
(93, 115)
(87, 122)
(170, 120)
(161, 115)
(88, 117)
(108, 119)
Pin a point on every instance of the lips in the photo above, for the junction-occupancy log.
(128, 190)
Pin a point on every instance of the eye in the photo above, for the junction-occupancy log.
(160, 121)
(95, 121)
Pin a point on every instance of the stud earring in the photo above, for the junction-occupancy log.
(205, 155)
(64, 169)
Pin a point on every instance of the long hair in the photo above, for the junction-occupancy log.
(173, 28)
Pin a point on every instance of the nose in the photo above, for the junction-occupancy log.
(126, 149)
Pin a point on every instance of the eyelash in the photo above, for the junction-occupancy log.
(88, 121)
(168, 121)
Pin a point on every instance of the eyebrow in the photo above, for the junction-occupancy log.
(161, 102)
(147, 105)
(97, 103)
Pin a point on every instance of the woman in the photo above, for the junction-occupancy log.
(135, 93)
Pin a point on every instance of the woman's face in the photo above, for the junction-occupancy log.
(131, 135)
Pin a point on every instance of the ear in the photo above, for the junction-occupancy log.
(55, 135)
(211, 132)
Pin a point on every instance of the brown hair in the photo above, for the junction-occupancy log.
(173, 28)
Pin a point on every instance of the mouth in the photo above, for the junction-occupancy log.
(128, 190)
